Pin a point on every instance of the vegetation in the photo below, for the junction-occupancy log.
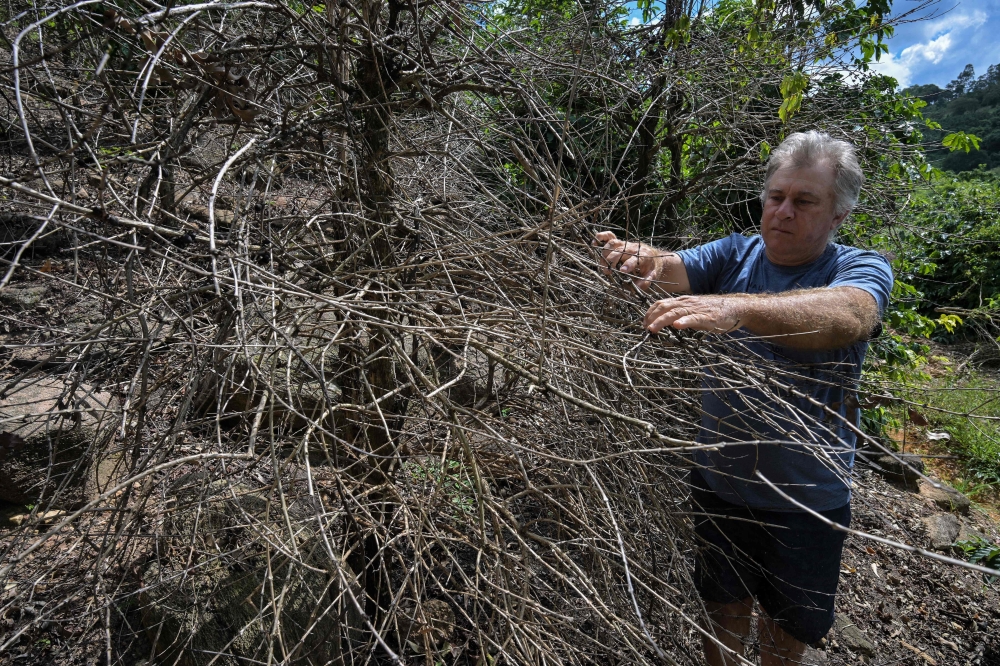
(343, 305)
(968, 104)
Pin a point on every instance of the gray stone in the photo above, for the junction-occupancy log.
(433, 622)
(853, 638)
(814, 657)
(945, 497)
(968, 532)
(942, 530)
(22, 298)
(901, 467)
(51, 442)
(226, 608)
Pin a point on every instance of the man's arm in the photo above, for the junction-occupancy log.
(806, 319)
(649, 268)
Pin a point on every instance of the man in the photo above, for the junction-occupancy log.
(797, 310)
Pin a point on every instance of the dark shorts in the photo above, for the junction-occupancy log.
(788, 561)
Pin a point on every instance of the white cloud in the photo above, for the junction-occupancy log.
(954, 20)
(932, 51)
(901, 67)
(941, 35)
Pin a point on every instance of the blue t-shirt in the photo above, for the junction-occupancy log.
(811, 452)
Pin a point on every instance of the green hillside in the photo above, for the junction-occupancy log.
(968, 104)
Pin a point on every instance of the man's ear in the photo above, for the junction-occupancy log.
(839, 219)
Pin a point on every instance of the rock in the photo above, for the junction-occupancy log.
(852, 637)
(40, 418)
(901, 468)
(434, 619)
(945, 497)
(813, 656)
(223, 611)
(82, 193)
(43, 517)
(223, 216)
(281, 202)
(942, 530)
(967, 532)
(22, 298)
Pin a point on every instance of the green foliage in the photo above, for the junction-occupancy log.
(982, 552)
(950, 251)
(976, 439)
(958, 115)
(961, 141)
(793, 87)
(451, 480)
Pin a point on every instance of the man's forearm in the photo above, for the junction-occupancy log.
(808, 319)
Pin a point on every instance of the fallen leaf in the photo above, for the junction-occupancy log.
(917, 418)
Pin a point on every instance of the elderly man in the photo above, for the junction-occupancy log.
(798, 310)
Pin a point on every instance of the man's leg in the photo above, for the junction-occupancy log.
(731, 625)
(777, 646)
(801, 576)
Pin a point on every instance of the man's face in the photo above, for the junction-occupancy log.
(799, 214)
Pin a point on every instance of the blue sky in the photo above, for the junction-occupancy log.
(935, 50)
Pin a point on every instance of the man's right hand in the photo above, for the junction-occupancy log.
(636, 260)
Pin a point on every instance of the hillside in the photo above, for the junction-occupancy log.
(970, 104)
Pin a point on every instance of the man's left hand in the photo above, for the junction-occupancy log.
(715, 314)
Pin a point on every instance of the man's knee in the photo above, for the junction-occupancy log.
(777, 646)
(733, 617)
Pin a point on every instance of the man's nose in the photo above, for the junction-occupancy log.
(786, 210)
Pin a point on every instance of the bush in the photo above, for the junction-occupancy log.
(951, 248)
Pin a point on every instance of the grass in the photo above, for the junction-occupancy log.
(971, 415)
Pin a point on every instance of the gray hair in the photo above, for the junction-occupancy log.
(804, 149)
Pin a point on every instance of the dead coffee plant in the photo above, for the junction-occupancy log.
(363, 395)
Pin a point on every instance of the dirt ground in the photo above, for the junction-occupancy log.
(911, 609)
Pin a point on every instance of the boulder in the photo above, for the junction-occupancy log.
(22, 298)
(51, 442)
(429, 625)
(219, 595)
(942, 530)
(853, 638)
(968, 532)
(945, 497)
(902, 467)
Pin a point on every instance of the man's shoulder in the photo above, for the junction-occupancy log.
(738, 240)
(856, 256)
(734, 245)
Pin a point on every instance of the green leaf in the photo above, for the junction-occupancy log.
(961, 141)
(792, 87)
(765, 151)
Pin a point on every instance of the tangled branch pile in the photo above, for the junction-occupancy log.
(300, 306)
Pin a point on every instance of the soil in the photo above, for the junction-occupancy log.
(912, 609)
